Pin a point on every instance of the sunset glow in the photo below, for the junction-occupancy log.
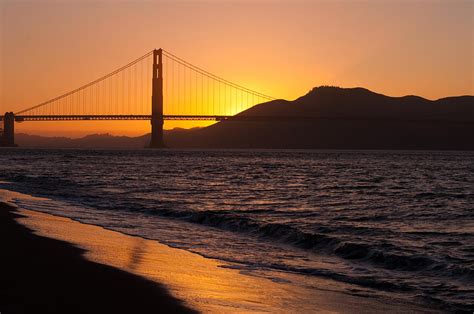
(391, 47)
(236, 156)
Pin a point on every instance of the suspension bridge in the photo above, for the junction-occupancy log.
(139, 91)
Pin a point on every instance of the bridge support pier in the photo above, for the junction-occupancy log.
(157, 101)
(8, 139)
(157, 133)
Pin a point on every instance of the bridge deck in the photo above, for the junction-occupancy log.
(21, 118)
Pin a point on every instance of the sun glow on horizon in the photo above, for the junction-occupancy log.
(282, 49)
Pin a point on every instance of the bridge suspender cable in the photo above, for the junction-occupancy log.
(214, 77)
(88, 84)
(189, 91)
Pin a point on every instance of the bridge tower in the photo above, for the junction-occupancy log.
(157, 101)
(9, 130)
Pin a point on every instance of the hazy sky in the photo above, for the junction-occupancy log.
(278, 47)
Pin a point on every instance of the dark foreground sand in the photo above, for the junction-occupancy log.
(43, 275)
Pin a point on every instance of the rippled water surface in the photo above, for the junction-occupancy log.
(394, 223)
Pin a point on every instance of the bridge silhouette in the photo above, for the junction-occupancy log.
(139, 91)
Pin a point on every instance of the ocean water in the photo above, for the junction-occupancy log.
(397, 224)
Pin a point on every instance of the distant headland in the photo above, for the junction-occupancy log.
(325, 118)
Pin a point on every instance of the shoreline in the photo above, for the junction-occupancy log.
(42, 274)
(158, 276)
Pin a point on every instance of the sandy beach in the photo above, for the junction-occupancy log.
(57, 265)
(44, 275)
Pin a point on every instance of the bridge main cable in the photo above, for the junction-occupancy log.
(86, 85)
(213, 76)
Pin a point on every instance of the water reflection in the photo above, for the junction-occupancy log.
(136, 254)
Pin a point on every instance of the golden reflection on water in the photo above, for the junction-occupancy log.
(202, 283)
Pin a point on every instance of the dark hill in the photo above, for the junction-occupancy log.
(93, 140)
(340, 118)
(359, 102)
(90, 141)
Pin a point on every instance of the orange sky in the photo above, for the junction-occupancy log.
(278, 47)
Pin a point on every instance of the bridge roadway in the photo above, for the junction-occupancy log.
(22, 118)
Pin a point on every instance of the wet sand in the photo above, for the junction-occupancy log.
(43, 275)
(85, 268)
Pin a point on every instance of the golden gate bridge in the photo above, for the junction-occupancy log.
(139, 90)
